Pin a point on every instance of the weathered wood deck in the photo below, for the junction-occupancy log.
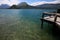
(53, 18)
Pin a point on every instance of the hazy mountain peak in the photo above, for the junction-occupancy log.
(4, 6)
(22, 4)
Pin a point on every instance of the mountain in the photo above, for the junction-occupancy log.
(4, 6)
(49, 6)
(13, 7)
(22, 5)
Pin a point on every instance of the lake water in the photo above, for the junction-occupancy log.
(23, 24)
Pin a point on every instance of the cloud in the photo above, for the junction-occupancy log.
(9, 2)
(57, 0)
(38, 3)
(43, 2)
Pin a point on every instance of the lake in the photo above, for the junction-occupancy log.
(24, 24)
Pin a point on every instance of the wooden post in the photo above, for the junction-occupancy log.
(41, 24)
(42, 21)
(55, 18)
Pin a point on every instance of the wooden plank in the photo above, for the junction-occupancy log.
(51, 19)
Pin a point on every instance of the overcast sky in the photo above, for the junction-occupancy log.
(30, 2)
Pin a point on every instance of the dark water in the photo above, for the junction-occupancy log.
(23, 24)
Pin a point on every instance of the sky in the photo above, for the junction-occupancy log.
(30, 2)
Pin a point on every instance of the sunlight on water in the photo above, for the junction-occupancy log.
(22, 24)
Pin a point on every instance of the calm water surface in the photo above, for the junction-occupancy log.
(23, 24)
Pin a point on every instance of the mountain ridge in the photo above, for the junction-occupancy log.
(52, 6)
(24, 5)
(4, 6)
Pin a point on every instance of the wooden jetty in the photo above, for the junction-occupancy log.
(53, 18)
